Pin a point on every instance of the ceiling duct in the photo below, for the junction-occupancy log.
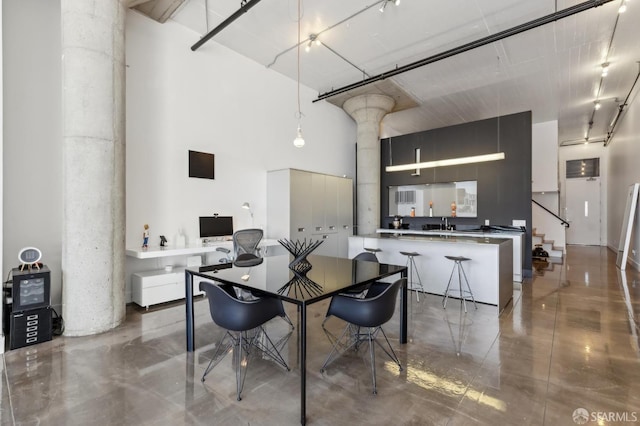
(158, 10)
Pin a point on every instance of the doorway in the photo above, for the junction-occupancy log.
(582, 209)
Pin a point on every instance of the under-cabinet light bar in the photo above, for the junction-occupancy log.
(447, 162)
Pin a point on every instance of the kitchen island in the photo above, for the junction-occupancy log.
(517, 237)
(490, 270)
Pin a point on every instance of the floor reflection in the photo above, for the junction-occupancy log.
(569, 340)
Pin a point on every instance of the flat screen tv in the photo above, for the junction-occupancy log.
(216, 226)
(201, 165)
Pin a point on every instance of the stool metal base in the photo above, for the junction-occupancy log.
(411, 264)
(463, 294)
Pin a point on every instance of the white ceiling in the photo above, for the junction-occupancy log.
(553, 70)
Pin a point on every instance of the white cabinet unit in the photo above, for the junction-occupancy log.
(315, 206)
(153, 287)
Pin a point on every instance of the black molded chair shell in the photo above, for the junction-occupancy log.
(230, 313)
(370, 311)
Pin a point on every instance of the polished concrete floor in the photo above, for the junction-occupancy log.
(568, 341)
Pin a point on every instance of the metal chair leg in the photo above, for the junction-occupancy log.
(469, 287)
(446, 292)
(372, 352)
(240, 375)
(214, 362)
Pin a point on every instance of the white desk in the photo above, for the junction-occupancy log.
(159, 285)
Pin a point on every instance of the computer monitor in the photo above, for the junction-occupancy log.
(216, 226)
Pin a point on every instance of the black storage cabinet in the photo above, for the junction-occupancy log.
(28, 307)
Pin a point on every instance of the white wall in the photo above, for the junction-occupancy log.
(578, 152)
(32, 151)
(544, 145)
(1, 183)
(623, 161)
(212, 100)
(215, 101)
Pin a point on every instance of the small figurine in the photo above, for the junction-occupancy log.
(145, 236)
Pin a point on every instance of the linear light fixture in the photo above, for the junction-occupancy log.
(446, 162)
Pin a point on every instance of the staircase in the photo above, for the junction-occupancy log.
(555, 253)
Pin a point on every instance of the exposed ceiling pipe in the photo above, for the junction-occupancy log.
(244, 8)
(621, 107)
(469, 46)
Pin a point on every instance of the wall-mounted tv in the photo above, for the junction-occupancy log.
(216, 226)
(201, 165)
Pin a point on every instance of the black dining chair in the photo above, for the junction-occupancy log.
(243, 321)
(360, 291)
(365, 318)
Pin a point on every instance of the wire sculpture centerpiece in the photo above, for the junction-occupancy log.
(300, 250)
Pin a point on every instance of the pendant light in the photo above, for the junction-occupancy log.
(298, 142)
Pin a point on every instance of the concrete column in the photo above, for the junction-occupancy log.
(93, 98)
(368, 111)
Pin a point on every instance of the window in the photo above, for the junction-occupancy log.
(585, 168)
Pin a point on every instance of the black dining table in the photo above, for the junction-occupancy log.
(272, 276)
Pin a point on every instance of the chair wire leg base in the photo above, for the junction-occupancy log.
(241, 373)
(272, 352)
(357, 337)
(333, 355)
(221, 344)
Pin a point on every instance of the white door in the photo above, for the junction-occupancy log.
(583, 211)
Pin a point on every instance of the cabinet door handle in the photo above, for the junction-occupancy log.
(332, 228)
(318, 228)
(325, 237)
(345, 227)
(300, 229)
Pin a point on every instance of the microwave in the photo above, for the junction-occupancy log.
(31, 288)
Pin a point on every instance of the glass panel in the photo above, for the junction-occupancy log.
(31, 291)
(435, 199)
(585, 168)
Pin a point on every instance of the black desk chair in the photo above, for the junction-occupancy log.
(369, 313)
(239, 317)
(246, 241)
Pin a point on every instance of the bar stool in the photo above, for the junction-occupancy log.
(411, 263)
(372, 250)
(463, 298)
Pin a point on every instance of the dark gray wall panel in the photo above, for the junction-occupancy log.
(504, 187)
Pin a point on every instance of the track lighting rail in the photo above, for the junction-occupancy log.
(244, 8)
(564, 13)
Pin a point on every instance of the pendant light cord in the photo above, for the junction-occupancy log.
(298, 63)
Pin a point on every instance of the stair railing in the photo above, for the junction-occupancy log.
(564, 222)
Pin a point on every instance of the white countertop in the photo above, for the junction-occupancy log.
(457, 233)
(153, 252)
(444, 238)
